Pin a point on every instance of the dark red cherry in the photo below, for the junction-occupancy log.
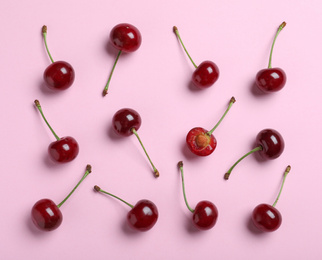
(205, 75)
(59, 75)
(126, 119)
(64, 150)
(46, 215)
(205, 215)
(272, 143)
(266, 218)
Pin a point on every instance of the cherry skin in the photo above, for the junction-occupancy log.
(205, 215)
(199, 142)
(125, 120)
(64, 150)
(272, 143)
(271, 80)
(205, 75)
(143, 215)
(59, 75)
(266, 218)
(46, 215)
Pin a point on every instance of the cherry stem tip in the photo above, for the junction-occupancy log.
(88, 168)
(44, 29)
(175, 29)
(156, 173)
(226, 176)
(96, 188)
(283, 24)
(180, 164)
(105, 92)
(232, 100)
(37, 103)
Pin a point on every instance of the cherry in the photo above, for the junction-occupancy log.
(206, 74)
(142, 216)
(46, 215)
(269, 144)
(126, 38)
(59, 75)
(271, 79)
(205, 214)
(126, 122)
(64, 149)
(202, 142)
(266, 217)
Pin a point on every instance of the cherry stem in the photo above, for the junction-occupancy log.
(288, 168)
(180, 164)
(88, 171)
(37, 103)
(156, 172)
(44, 33)
(226, 177)
(277, 33)
(176, 31)
(98, 189)
(109, 78)
(232, 101)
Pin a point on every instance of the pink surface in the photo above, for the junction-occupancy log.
(155, 81)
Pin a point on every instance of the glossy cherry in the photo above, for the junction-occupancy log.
(46, 215)
(206, 74)
(64, 149)
(59, 75)
(126, 122)
(201, 141)
(126, 38)
(271, 79)
(205, 214)
(266, 217)
(142, 216)
(269, 144)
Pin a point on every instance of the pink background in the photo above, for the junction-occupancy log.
(155, 81)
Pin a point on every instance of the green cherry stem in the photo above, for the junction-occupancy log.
(277, 33)
(37, 103)
(226, 177)
(232, 101)
(44, 33)
(98, 189)
(109, 78)
(288, 168)
(180, 164)
(156, 172)
(176, 31)
(88, 171)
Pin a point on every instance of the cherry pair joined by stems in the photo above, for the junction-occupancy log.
(266, 217)
(46, 215)
(271, 79)
(64, 149)
(59, 75)
(205, 214)
(269, 144)
(206, 74)
(202, 142)
(126, 122)
(126, 38)
(142, 216)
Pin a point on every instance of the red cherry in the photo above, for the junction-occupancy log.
(142, 216)
(64, 149)
(59, 75)
(126, 38)
(271, 79)
(126, 122)
(205, 214)
(202, 142)
(206, 74)
(270, 145)
(266, 217)
(46, 215)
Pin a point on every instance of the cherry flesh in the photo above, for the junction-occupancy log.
(64, 149)
(126, 38)
(271, 79)
(270, 145)
(59, 75)
(202, 142)
(142, 216)
(126, 122)
(206, 74)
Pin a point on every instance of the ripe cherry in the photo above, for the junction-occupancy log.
(46, 215)
(271, 79)
(126, 122)
(142, 216)
(206, 74)
(205, 214)
(266, 217)
(126, 38)
(59, 75)
(63, 150)
(269, 144)
(202, 142)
